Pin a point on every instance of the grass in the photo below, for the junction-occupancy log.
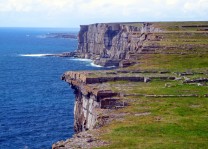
(174, 62)
(157, 87)
(168, 122)
(178, 26)
(173, 123)
(188, 52)
(175, 26)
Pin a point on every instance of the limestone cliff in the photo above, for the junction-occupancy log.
(89, 100)
(108, 44)
(93, 97)
(96, 102)
(99, 94)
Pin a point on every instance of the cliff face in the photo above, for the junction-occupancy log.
(94, 98)
(113, 44)
(109, 44)
(90, 100)
(84, 111)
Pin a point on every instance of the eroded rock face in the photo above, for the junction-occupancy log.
(85, 115)
(90, 100)
(112, 42)
(92, 95)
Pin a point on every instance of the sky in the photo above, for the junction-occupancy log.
(72, 13)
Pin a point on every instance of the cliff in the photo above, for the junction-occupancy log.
(92, 97)
(161, 94)
(109, 44)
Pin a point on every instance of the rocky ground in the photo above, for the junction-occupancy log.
(82, 140)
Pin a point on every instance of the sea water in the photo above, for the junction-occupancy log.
(36, 107)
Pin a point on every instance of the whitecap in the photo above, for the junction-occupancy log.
(94, 65)
(86, 60)
(81, 59)
(34, 55)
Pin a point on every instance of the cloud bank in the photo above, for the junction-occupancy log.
(71, 13)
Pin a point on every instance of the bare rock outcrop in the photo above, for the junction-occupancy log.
(89, 100)
(110, 43)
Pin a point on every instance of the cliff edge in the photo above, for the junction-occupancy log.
(159, 90)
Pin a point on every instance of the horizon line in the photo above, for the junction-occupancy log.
(38, 27)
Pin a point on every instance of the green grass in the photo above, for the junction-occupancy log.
(177, 26)
(168, 122)
(188, 51)
(157, 87)
(173, 123)
(173, 62)
(174, 26)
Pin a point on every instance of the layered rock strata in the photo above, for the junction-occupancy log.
(89, 100)
(111, 44)
(92, 95)
(123, 44)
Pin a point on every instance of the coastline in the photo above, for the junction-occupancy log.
(102, 97)
(65, 54)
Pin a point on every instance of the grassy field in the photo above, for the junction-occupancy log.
(161, 123)
(165, 122)
(173, 62)
(159, 87)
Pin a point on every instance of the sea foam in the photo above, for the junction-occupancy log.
(86, 60)
(34, 55)
(81, 59)
(94, 65)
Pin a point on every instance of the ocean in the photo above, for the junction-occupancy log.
(36, 107)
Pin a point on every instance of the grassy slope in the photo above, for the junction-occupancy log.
(166, 122)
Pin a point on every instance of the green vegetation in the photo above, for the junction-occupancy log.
(182, 26)
(177, 26)
(176, 51)
(158, 87)
(170, 123)
(165, 122)
(173, 62)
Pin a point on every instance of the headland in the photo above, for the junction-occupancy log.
(157, 96)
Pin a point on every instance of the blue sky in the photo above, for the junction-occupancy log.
(72, 13)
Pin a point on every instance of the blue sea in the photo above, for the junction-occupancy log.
(36, 107)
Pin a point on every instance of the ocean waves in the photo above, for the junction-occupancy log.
(94, 65)
(34, 55)
(89, 62)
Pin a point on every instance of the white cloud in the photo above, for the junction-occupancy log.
(172, 2)
(199, 5)
(14, 5)
(90, 11)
